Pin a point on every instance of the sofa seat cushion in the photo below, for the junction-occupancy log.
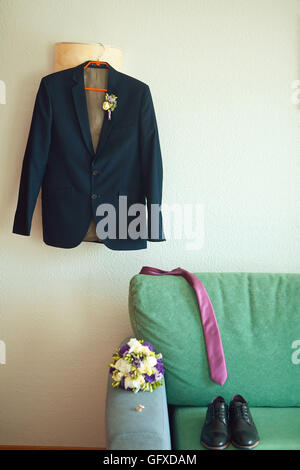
(278, 428)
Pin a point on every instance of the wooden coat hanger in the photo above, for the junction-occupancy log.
(98, 63)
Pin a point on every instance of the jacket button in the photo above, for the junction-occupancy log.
(95, 172)
(94, 196)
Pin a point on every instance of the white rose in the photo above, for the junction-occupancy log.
(145, 350)
(142, 369)
(151, 361)
(147, 365)
(122, 366)
(118, 376)
(133, 345)
(141, 379)
(106, 105)
(138, 348)
(130, 383)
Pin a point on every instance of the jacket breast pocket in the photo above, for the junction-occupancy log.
(124, 132)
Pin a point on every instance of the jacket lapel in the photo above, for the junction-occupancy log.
(80, 103)
(81, 107)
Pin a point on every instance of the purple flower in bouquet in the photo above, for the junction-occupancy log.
(136, 362)
(159, 366)
(149, 345)
(149, 378)
(122, 383)
(123, 350)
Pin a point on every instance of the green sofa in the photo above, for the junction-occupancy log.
(259, 321)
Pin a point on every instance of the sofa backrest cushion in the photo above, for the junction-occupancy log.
(259, 322)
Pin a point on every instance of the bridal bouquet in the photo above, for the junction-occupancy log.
(136, 367)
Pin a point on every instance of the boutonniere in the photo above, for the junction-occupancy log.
(110, 103)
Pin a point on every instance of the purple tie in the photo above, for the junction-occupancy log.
(214, 347)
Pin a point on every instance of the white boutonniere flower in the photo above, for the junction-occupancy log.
(110, 103)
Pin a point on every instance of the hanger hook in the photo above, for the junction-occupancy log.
(99, 56)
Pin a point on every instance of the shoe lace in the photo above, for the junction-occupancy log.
(242, 411)
(219, 412)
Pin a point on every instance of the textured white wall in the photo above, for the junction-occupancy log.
(220, 72)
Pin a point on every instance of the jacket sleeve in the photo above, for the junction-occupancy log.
(35, 161)
(151, 168)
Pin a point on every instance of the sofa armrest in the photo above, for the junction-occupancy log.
(128, 429)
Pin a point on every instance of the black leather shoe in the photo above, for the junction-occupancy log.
(214, 433)
(243, 432)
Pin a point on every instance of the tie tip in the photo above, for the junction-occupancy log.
(220, 381)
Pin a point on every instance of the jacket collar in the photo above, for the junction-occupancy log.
(80, 103)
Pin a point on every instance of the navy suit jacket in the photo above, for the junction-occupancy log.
(60, 159)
